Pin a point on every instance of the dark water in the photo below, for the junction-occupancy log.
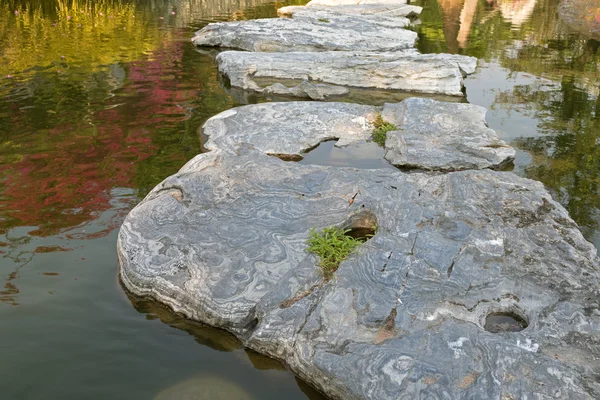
(504, 322)
(101, 100)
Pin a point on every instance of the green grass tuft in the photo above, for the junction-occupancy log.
(323, 20)
(381, 129)
(332, 245)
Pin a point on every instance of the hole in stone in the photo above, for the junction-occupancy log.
(362, 234)
(361, 226)
(507, 321)
(363, 155)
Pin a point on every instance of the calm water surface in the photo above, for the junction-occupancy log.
(101, 100)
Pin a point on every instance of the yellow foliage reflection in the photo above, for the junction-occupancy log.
(71, 33)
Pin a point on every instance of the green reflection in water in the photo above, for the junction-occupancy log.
(529, 40)
(95, 33)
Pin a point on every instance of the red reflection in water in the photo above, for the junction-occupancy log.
(66, 177)
(68, 166)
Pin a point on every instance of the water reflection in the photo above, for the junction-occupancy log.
(582, 16)
(541, 82)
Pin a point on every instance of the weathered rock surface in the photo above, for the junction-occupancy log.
(390, 10)
(289, 129)
(435, 135)
(224, 242)
(406, 70)
(333, 16)
(431, 135)
(309, 90)
(304, 34)
(335, 3)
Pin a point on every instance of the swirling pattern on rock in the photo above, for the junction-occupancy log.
(348, 33)
(224, 242)
(405, 70)
(434, 135)
(431, 135)
(291, 128)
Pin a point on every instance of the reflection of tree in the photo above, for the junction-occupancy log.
(566, 155)
(567, 159)
(71, 133)
(582, 16)
(72, 31)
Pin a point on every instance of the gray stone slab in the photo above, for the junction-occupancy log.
(290, 128)
(431, 135)
(305, 34)
(390, 10)
(334, 15)
(336, 3)
(434, 135)
(223, 241)
(405, 70)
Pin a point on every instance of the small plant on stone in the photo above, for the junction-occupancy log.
(332, 245)
(323, 20)
(381, 130)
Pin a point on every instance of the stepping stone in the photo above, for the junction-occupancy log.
(429, 135)
(406, 70)
(433, 135)
(334, 16)
(335, 3)
(476, 284)
(349, 32)
(390, 10)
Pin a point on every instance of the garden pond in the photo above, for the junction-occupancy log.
(101, 100)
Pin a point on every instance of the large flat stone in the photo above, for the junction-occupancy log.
(304, 34)
(335, 3)
(431, 135)
(406, 70)
(390, 10)
(224, 242)
(289, 129)
(333, 15)
(434, 135)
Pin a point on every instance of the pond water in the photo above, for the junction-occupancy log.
(101, 100)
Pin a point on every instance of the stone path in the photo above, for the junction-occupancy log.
(476, 283)
(348, 45)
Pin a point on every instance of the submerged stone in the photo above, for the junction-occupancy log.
(405, 70)
(204, 388)
(223, 241)
(306, 34)
(430, 134)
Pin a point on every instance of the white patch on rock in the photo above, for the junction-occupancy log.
(457, 346)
